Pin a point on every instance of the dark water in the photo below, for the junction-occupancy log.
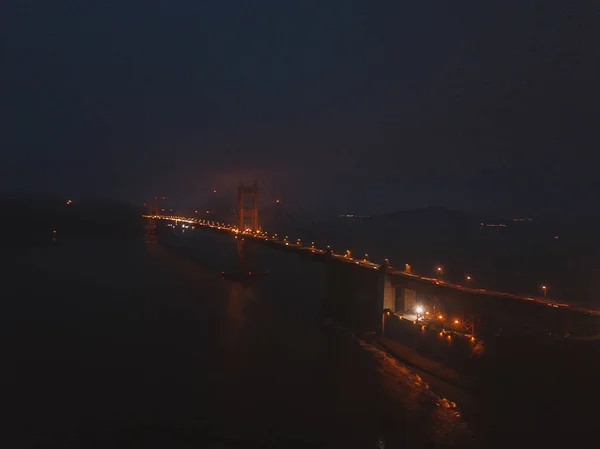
(132, 344)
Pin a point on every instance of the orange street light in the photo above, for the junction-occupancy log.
(544, 289)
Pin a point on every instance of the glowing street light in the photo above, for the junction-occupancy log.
(544, 289)
(439, 271)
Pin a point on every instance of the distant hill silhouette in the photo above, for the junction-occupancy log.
(31, 220)
(276, 218)
(434, 215)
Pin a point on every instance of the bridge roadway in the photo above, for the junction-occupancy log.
(275, 241)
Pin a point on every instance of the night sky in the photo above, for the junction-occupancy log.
(338, 105)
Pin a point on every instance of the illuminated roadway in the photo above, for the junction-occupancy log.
(274, 240)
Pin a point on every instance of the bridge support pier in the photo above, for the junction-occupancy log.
(355, 295)
(389, 291)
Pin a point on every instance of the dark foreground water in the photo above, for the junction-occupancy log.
(131, 344)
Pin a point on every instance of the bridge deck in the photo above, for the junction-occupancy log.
(298, 247)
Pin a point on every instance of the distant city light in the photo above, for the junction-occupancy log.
(354, 216)
(277, 201)
(69, 201)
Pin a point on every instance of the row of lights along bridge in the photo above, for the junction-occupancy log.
(438, 270)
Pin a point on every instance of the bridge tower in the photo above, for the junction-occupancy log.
(248, 210)
(153, 208)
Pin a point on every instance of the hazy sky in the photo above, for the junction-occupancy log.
(339, 105)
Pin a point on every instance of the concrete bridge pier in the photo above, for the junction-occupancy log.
(355, 294)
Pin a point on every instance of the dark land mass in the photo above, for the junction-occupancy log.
(32, 221)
